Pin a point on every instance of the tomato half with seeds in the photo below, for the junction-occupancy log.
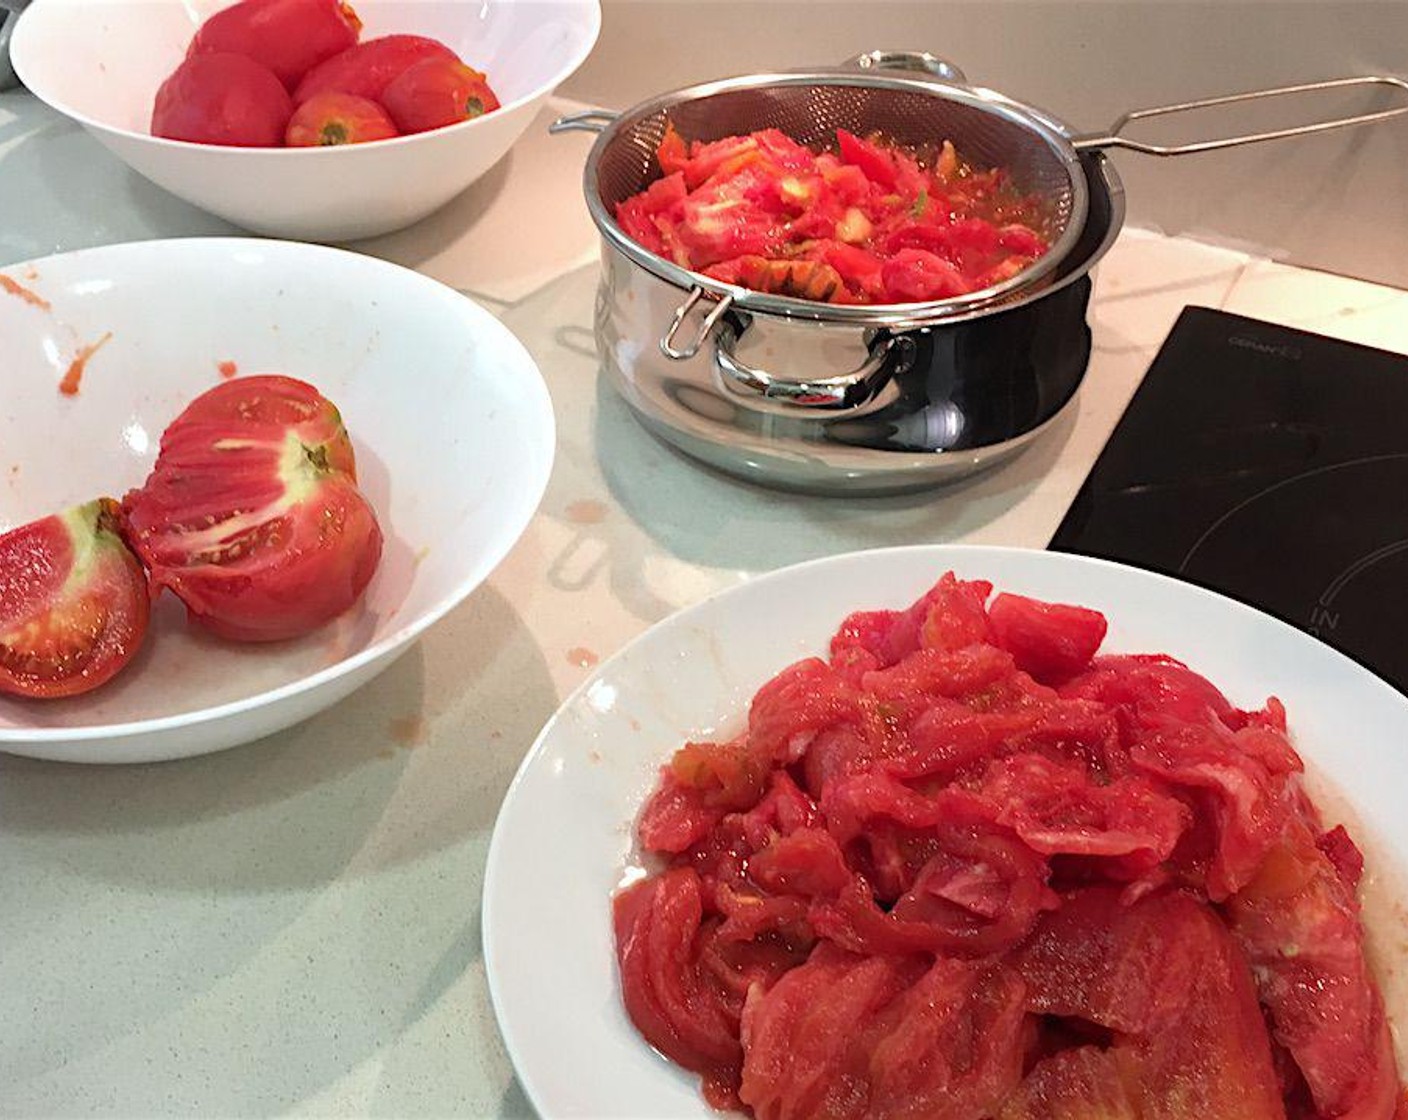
(252, 515)
(73, 603)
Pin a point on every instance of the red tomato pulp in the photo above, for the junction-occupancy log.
(967, 868)
(867, 222)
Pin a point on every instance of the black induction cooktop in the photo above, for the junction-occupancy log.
(1269, 464)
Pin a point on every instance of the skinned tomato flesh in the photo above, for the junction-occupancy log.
(73, 603)
(369, 67)
(330, 119)
(866, 222)
(224, 98)
(436, 92)
(968, 868)
(252, 515)
(290, 37)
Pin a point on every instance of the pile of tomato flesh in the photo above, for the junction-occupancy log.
(863, 223)
(966, 867)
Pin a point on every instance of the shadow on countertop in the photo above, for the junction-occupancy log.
(240, 819)
(290, 921)
(706, 517)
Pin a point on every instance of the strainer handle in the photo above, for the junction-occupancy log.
(920, 62)
(1113, 139)
(589, 120)
(677, 353)
(844, 390)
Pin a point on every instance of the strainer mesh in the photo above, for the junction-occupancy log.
(811, 112)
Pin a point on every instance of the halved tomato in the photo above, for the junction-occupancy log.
(252, 514)
(73, 603)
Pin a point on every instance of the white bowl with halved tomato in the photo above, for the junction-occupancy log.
(102, 62)
(451, 443)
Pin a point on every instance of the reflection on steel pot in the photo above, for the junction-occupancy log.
(863, 399)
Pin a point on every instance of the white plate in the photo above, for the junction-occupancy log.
(564, 834)
(449, 416)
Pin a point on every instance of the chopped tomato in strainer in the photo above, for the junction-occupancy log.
(867, 222)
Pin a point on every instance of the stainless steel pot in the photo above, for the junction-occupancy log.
(857, 400)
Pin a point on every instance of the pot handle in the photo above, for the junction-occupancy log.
(1111, 138)
(917, 61)
(843, 390)
(589, 120)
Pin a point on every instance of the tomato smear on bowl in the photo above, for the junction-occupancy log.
(72, 379)
(867, 221)
(15, 288)
(967, 867)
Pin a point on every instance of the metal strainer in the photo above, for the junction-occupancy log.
(987, 128)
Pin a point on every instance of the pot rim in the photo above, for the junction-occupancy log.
(1019, 290)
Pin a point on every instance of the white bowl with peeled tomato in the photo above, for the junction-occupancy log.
(225, 503)
(393, 108)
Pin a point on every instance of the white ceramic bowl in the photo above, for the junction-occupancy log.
(564, 839)
(100, 62)
(449, 417)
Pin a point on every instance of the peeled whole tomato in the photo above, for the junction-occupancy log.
(368, 68)
(290, 37)
(73, 603)
(436, 92)
(329, 119)
(225, 99)
(252, 515)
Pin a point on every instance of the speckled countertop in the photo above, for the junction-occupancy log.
(293, 926)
